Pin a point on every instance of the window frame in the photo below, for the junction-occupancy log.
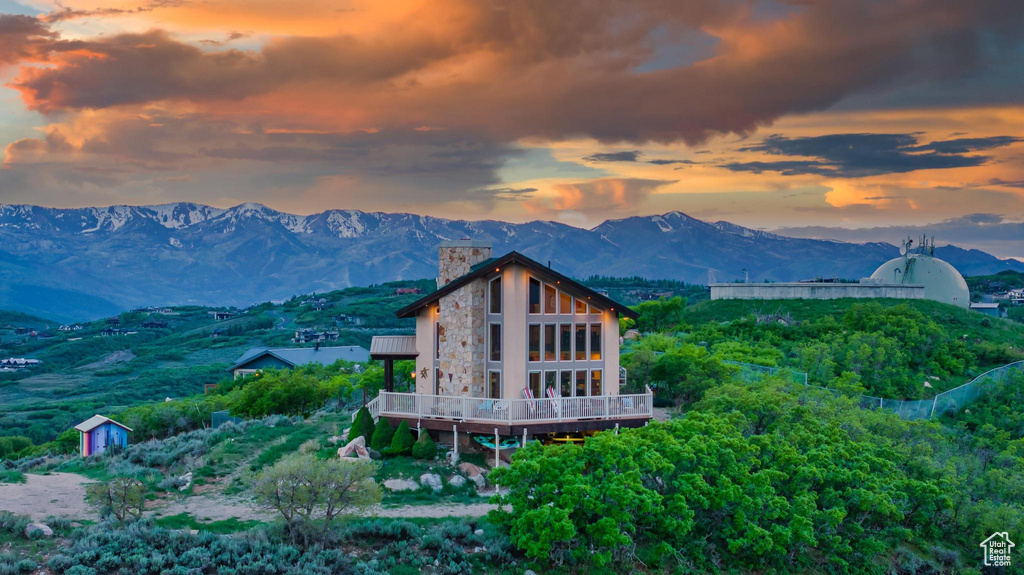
(590, 383)
(529, 342)
(490, 341)
(554, 343)
(561, 381)
(563, 307)
(501, 384)
(490, 296)
(576, 341)
(544, 293)
(591, 341)
(576, 382)
(529, 296)
(565, 354)
(540, 382)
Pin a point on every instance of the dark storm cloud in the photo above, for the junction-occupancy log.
(860, 155)
(559, 69)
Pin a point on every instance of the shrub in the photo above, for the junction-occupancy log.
(306, 491)
(362, 425)
(402, 442)
(382, 435)
(122, 497)
(424, 448)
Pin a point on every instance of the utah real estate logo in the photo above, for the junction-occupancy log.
(997, 549)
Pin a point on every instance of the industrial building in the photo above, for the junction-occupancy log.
(917, 274)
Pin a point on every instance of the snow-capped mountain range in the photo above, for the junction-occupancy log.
(87, 262)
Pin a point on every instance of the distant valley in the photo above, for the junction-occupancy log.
(79, 264)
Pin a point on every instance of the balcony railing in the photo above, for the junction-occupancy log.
(514, 411)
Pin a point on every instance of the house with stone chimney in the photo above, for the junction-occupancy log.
(509, 346)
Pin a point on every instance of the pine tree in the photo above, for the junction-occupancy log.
(382, 435)
(402, 442)
(424, 448)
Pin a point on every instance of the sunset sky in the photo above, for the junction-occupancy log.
(767, 114)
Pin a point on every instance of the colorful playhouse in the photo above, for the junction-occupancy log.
(99, 433)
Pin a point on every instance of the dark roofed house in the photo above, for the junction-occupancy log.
(408, 291)
(258, 359)
(154, 324)
(222, 315)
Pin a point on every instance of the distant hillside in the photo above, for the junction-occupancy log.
(90, 262)
(85, 372)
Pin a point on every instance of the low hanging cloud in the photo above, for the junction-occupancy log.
(597, 196)
(861, 155)
(630, 156)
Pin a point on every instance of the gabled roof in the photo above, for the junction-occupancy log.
(295, 356)
(96, 421)
(480, 270)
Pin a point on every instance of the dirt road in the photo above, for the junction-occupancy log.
(63, 494)
(60, 494)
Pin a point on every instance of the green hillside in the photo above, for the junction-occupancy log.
(84, 372)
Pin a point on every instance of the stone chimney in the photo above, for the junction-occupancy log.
(456, 257)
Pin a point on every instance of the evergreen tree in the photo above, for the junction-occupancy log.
(382, 435)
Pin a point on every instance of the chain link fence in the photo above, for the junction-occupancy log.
(951, 401)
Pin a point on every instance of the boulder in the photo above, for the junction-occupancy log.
(186, 481)
(457, 481)
(469, 469)
(401, 485)
(355, 448)
(479, 533)
(42, 528)
(431, 480)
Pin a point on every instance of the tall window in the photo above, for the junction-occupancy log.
(534, 296)
(437, 381)
(494, 384)
(495, 347)
(495, 305)
(565, 383)
(565, 303)
(549, 342)
(550, 382)
(581, 383)
(581, 306)
(581, 342)
(533, 349)
(535, 385)
(437, 340)
(550, 299)
(595, 341)
(565, 342)
(595, 382)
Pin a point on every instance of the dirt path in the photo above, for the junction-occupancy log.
(220, 507)
(61, 494)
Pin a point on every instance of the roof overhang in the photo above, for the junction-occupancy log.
(510, 258)
(393, 347)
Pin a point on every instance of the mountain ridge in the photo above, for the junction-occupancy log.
(82, 263)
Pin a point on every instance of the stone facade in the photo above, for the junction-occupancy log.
(461, 324)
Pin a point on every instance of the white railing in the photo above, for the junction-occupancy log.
(514, 411)
(372, 406)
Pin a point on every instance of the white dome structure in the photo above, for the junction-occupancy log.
(919, 266)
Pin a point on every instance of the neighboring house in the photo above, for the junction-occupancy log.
(109, 331)
(508, 345)
(16, 363)
(222, 315)
(258, 359)
(408, 291)
(343, 319)
(22, 330)
(309, 335)
(98, 433)
(113, 321)
(321, 304)
(154, 324)
(74, 327)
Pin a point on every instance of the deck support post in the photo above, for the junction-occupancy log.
(616, 429)
(497, 448)
(389, 375)
(455, 451)
(524, 438)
